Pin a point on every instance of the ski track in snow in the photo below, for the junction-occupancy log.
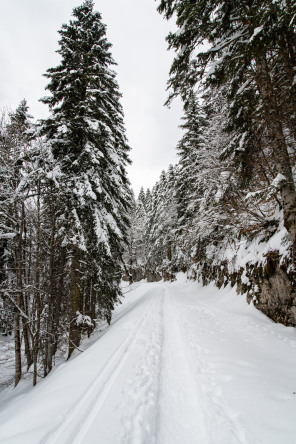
(78, 425)
(174, 368)
(141, 391)
(180, 416)
(161, 415)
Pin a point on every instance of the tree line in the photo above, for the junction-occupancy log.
(65, 199)
(234, 69)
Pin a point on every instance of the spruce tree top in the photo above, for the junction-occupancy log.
(84, 97)
(86, 133)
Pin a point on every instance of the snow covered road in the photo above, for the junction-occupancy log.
(180, 364)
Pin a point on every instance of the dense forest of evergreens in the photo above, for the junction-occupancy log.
(70, 225)
(64, 200)
(227, 211)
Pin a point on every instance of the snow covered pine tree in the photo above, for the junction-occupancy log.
(250, 49)
(88, 142)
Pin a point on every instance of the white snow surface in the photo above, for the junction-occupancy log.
(180, 364)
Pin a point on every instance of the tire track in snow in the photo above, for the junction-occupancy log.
(75, 424)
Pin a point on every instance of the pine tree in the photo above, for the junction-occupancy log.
(135, 255)
(140, 224)
(161, 225)
(190, 149)
(88, 142)
(250, 49)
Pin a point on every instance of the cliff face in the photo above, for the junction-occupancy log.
(277, 298)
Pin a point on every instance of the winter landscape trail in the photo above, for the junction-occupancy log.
(180, 364)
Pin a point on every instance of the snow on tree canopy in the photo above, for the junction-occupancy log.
(86, 129)
(87, 138)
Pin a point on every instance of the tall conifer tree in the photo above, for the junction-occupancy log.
(88, 142)
(250, 49)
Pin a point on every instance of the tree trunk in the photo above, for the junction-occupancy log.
(50, 321)
(58, 302)
(36, 337)
(74, 329)
(93, 305)
(21, 302)
(279, 146)
(18, 263)
(289, 104)
(17, 349)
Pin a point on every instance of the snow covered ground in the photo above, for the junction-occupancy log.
(180, 364)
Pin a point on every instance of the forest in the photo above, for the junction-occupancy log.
(70, 226)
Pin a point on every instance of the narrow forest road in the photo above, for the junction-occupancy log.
(180, 364)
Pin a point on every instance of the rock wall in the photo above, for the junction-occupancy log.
(271, 285)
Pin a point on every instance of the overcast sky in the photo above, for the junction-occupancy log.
(29, 39)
